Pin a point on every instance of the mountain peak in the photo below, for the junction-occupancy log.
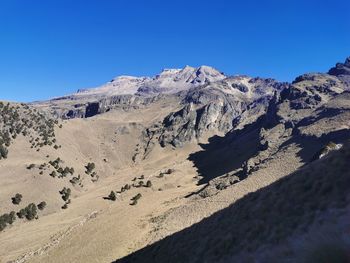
(342, 71)
(205, 74)
(169, 80)
(347, 62)
(341, 68)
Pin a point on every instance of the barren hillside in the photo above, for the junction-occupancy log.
(215, 168)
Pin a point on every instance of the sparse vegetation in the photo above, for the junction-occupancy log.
(140, 184)
(53, 174)
(60, 171)
(90, 170)
(17, 199)
(148, 183)
(31, 166)
(24, 120)
(166, 172)
(7, 219)
(65, 194)
(3, 152)
(29, 212)
(125, 188)
(75, 180)
(268, 217)
(41, 205)
(135, 199)
(90, 167)
(112, 196)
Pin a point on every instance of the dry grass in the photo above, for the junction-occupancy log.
(266, 217)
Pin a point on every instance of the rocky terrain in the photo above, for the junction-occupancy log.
(188, 166)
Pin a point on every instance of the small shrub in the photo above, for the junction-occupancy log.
(3, 152)
(112, 196)
(31, 166)
(90, 167)
(17, 199)
(133, 202)
(65, 193)
(148, 183)
(136, 197)
(21, 213)
(12, 217)
(31, 211)
(41, 205)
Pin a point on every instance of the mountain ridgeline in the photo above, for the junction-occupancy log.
(196, 165)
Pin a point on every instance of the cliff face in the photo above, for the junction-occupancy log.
(215, 108)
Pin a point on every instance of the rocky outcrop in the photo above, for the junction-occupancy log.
(306, 115)
(342, 71)
(213, 108)
(87, 109)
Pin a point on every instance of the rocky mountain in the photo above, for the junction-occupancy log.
(342, 71)
(307, 126)
(168, 81)
(190, 165)
(130, 91)
(214, 108)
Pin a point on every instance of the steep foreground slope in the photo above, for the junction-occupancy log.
(130, 164)
(300, 218)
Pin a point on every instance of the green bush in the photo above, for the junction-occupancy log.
(135, 199)
(31, 166)
(3, 152)
(31, 211)
(12, 217)
(65, 193)
(112, 196)
(53, 174)
(21, 213)
(41, 205)
(7, 219)
(17, 199)
(90, 167)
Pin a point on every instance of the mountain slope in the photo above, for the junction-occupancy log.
(190, 144)
(259, 224)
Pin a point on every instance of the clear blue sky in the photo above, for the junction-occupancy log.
(54, 47)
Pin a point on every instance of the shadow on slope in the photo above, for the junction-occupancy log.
(311, 145)
(225, 154)
(265, 217)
